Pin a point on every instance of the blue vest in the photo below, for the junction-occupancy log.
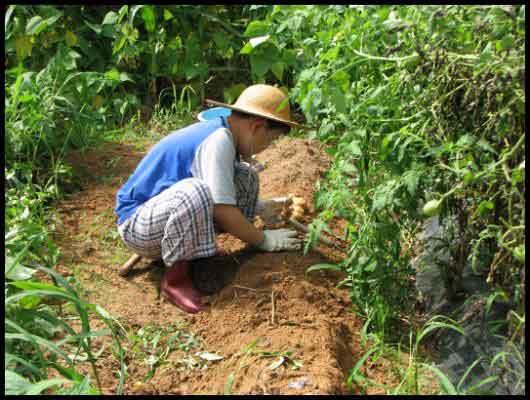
(168, 162)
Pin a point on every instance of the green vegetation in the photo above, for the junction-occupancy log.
(423, 109)
(152, 344)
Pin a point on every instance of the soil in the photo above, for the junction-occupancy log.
(263, 306)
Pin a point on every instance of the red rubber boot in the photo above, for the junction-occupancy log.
(176, 286)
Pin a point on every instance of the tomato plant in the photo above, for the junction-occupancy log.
(423, 107)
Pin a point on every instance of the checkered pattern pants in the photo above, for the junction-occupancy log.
(177, 224)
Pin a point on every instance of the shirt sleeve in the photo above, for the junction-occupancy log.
(214, 164)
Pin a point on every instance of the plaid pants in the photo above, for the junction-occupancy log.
(177, 224)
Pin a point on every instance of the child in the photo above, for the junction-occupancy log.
(192, 182)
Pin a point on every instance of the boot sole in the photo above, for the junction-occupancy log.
(180, 306)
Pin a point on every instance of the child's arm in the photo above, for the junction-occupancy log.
(231, 220)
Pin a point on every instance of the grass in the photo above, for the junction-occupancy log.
(153, 344)
(39, 339)
(415, 372)
(251, 350)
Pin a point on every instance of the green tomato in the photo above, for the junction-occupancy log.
(432, 208)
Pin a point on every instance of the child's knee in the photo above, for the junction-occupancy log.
(198, 189)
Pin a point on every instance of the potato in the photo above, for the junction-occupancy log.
(298, 210)
(297, 215)
(299, 201)
(137, 387)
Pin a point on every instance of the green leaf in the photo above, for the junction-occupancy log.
(12, 358)
(475, 388)
(289, 57)
(9, 12)
(465, 140)
(354, 148)
(255, 42)
(371, 266)
(229, 383)
(52, 20)
(134, 10)
(469, 177)
(113, 74)
(124, 10)
(412, 179)
(94, 27)
(38, 286)
(124, 77)
(167, 15)
(256, 28)
(484, 207)
(484, 145)
(19, 273)
(35, 25)
(323, 266)
(71, 39)
(39, 387)
(437, 322)
(339, 100)
(282, 105)
(445, 383)
(110, 18)
(354, 375)
(276, 363)
(246, 49)
(232, 93)
(148, 16)
(23, 47)
(83, 387)
(14, 384)
(260, 64)
(505, 43)
(331, 54)
(11, 263)
(383, 196)
(467, 372)
(34, 339)
(277, 69)
(518, 253)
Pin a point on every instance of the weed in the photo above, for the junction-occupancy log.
(250, 350)
(152, 344)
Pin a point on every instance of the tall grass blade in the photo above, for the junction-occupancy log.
(445, 383)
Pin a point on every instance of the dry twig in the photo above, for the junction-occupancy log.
(272, 308)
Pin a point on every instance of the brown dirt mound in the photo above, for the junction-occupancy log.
(278, 329)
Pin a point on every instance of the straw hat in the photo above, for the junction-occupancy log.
(263, 101)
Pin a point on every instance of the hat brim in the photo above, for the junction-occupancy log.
(257, 114)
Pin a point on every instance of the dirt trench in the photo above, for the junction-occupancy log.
(277, 329)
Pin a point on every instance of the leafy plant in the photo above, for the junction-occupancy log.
(423, 109)
(38, 338)
(153, 344)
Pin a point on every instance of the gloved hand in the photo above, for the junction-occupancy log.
(280, 239)
(270, 210)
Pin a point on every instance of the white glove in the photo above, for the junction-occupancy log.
(270, 210)
(280, 239)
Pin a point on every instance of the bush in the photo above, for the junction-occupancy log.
(419, 104)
